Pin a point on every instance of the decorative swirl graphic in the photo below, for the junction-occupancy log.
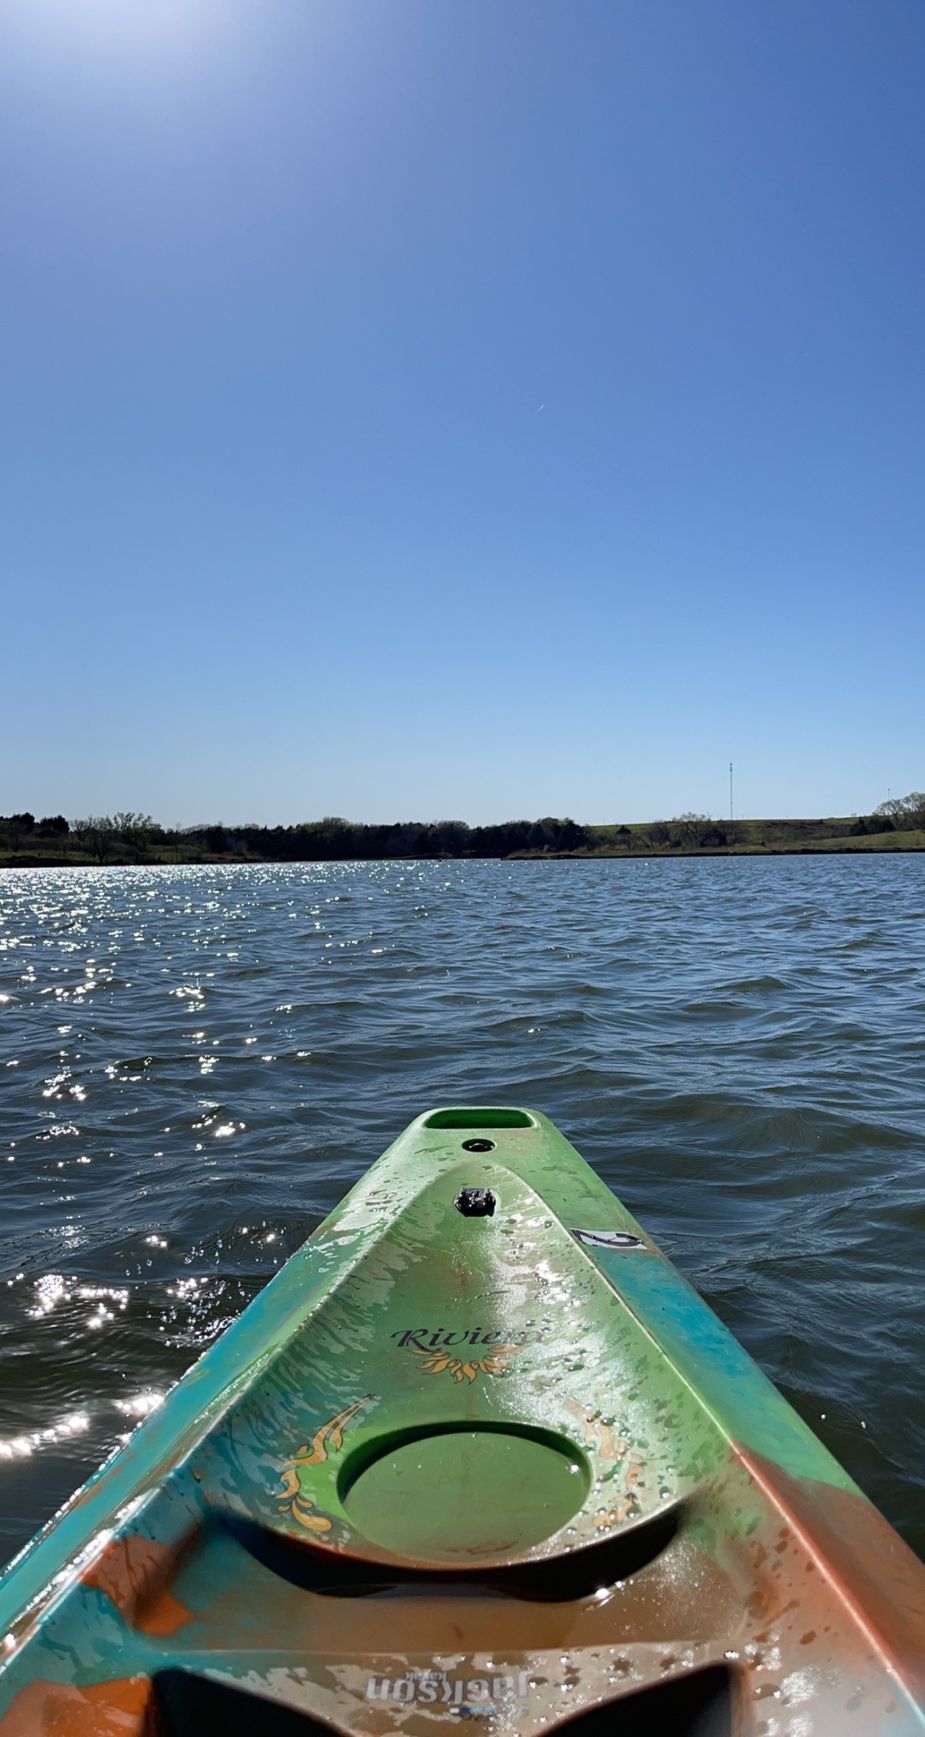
(496, 1363)
(325, 1441)
(617, 1451)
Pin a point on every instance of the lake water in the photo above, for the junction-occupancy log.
(197, 1063)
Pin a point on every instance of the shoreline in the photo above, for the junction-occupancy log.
(671, 853)
(129, 840)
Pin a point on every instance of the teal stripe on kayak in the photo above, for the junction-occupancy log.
(744, 1403)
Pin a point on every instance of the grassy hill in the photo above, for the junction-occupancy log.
(704, 837)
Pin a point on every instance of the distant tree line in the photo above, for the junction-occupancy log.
(127, 836)
(331, 838)
(130, 837)
(899, 814)
(14, 828)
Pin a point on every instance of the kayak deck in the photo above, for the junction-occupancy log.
(477, 1452)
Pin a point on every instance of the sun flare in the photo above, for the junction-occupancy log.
(119, 29)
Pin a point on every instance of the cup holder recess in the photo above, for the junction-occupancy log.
(462, 1494)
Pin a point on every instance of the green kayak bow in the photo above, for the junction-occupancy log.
(478, 1452)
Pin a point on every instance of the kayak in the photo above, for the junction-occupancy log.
(477, 1452)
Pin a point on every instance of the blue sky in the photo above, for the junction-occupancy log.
(477, 408)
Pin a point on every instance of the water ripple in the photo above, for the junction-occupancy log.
(197, 1062)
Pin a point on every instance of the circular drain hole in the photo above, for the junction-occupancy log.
(466, 1496)
(478, 1145)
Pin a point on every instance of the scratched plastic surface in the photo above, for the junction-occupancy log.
(505, 1466)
